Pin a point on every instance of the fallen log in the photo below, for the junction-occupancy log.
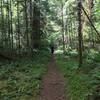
(4, 57)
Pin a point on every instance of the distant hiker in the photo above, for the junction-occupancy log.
(52, 49)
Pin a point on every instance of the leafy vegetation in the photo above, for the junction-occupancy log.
(76, 83)
(21, 79)
(82, 84)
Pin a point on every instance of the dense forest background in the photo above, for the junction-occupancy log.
(27, 30)
(26, 25)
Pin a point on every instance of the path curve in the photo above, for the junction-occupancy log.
(53, 84)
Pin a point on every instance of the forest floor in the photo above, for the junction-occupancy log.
(53, 83)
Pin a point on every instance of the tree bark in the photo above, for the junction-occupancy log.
(80, 33)
(63, 34)
(18, 27)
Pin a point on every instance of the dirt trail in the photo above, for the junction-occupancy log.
(53, 84)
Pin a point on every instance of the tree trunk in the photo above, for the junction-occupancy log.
(26, 24)
(18, 27)
(63, 33)
(80, 33)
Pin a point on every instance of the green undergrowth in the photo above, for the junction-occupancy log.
(21, 79)
(81, 83)
(77, 83)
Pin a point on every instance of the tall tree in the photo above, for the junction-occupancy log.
(80, 32)
(18, 26)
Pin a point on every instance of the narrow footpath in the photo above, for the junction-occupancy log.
(53, 83)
